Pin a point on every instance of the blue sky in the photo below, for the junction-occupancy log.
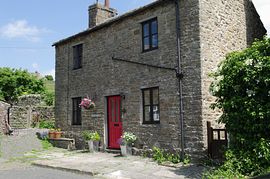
(28, 28)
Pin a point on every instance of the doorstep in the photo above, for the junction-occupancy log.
(113, 151)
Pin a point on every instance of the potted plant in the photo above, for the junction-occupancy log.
(92, 138)
(58, 133)
(126, 142)
(52, 133)
(87, 103)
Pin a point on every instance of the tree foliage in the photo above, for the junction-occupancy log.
(17, 82)
(242, 88)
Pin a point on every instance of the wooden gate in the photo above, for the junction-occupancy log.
(217, 142)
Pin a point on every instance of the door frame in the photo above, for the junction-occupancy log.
(106, 118)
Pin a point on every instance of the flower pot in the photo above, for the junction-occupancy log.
(58, 134)
(51, 135)
(93, 145)
(126, 150)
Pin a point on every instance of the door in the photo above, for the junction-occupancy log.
(114, 121)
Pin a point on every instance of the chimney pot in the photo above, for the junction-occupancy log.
(107, 3)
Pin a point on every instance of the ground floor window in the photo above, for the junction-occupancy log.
(76, 111)
(151, 105)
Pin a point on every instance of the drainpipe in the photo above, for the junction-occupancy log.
(179, 75)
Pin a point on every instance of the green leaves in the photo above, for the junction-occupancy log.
(242, 88)
(17, 82)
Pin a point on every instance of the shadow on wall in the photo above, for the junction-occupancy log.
(255, 28)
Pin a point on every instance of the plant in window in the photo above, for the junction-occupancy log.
(87, 103)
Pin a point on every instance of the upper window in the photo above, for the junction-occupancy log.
(76, 111)
(77, 56)
(150, 35)
(151, 105)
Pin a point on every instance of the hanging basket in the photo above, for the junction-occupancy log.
(87, 103)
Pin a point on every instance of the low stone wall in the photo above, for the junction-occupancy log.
(3, 114)
(25, 117)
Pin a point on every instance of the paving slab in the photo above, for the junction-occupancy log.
(113, 166)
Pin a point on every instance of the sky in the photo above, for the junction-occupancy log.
(28, 28)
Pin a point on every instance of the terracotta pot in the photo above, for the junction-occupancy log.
(51, 135)
(58, 134)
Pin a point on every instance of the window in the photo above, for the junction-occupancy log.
(150, 106)
(76, 111)
(77, 56)
(150, 35)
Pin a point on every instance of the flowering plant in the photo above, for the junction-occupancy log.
(87, 103)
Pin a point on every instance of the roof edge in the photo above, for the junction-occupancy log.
(111, 21)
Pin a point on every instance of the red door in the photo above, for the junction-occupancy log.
(114, 121)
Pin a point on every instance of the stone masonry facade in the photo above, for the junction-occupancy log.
(208, 29)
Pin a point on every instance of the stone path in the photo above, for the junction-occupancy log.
(18, 144)
(112, 166)
(100, 165)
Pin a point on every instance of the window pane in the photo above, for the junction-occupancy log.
(116, 110)
(155, 96)
(112, 111)
(154, 27)
(76, 110)
(145, 30)
(154, 41)
(155, 113)
(147, 113)
(146, 43)
(146, 97)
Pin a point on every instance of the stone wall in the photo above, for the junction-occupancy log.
(3, 115)
(207, 34)
(28, 111)
(226, 26)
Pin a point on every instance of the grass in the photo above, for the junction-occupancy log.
(46, 145)
(49, 85)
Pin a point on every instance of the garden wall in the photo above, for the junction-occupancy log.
(28, 111)
(3, 114)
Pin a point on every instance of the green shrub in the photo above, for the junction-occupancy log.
(48, 98)
(161, 156)
(87, 135)
(46, 124)
(242, 88)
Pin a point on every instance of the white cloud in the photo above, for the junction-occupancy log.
(21, 29)
(35, 66)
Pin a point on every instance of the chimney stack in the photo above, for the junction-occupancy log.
(99, 13)
(107, 3)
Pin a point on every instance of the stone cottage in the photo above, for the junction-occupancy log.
(147, 70)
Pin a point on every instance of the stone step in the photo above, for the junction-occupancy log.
(113, 151)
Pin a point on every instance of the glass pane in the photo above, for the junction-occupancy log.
(147, 113)
(145, 30)
(155, 96)
(117, 110)
(154, 27)
(155, 113)
(146, 97)
(146, 43)
(154, 41)
(112, 110)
